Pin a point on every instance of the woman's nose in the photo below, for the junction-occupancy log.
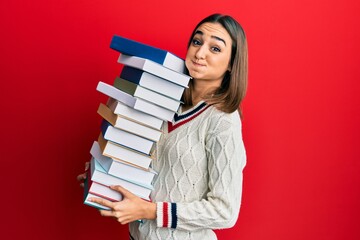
(201, 52)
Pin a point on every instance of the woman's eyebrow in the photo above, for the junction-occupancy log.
(212, 36)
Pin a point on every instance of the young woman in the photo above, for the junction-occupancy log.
(201, 155)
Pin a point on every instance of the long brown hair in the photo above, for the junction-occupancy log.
(229, 95)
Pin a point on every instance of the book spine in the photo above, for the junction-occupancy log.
(126, 86)
(131, 74)
(104, 126)
(131, 47)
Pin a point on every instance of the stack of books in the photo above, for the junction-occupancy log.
(141, 99)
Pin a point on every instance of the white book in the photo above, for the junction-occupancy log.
(93, 204)
(146, 94)
(136, 103)
(97, 190)
(123, 154)
(155, 68)
(126, 124)
(152, 82)
(99, 175)
(131, 113)
(103, 191)
(122, 170)
(127, 139)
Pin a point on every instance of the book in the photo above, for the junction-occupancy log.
(99, 175)
(136, 103)
(146, 94)
(123, 123)
(152, 82)
(100, 190)
(135, 48)
(88, 194)
(110, 195)
(103, 192)
(136, 115)
(155, 68)
(123, 154)
(121, 170)
(93, 204)
(127, 139)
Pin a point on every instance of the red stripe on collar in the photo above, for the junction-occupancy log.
(172, 126)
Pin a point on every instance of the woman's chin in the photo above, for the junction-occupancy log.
(195, 74)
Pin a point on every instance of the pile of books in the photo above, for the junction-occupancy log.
(144, 96)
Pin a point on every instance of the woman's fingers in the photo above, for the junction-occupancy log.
(108, 213)
(87, 165)
(123, 220)
(103, 202)
(123, 191)
(81, 177)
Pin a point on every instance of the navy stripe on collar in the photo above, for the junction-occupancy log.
(179, 117)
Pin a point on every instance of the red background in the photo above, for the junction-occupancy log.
(301, 112)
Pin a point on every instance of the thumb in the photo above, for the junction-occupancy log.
(123, 191)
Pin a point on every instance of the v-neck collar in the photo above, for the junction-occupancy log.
(184, 117)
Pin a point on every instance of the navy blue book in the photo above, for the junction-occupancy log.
(135, 48)
(152, 82)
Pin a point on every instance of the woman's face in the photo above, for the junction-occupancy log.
(208, 56)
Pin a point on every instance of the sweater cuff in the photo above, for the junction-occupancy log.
(166, 214)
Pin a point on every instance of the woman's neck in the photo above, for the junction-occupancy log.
(202, 88)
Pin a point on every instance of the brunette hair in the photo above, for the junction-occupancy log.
(229, 95)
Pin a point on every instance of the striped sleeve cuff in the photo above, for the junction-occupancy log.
(166, 215)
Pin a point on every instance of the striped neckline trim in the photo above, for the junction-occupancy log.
(182, 118)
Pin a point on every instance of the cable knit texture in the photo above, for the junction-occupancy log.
(199, 185)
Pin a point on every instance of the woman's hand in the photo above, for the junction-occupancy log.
(81, 177)
(130, 209)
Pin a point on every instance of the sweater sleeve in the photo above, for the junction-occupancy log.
(226, 160)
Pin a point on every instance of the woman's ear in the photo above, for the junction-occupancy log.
(229, 68)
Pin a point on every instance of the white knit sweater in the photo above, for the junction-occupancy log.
(200, 161)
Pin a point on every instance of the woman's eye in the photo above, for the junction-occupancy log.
(196, 42)
(216, 49)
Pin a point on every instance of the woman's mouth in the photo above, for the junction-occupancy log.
(198, 64)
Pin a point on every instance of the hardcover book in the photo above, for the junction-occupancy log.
(136, 103)
(100, 190)
(146, 94)
(99, 175)
(121, 170)
(155, 69)
(111, 195)
(87, 195)
(92, 204)
(123, 154)
(135, 48)
(152, 82)
(136, 115)
(126, 124)
(127, 139)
